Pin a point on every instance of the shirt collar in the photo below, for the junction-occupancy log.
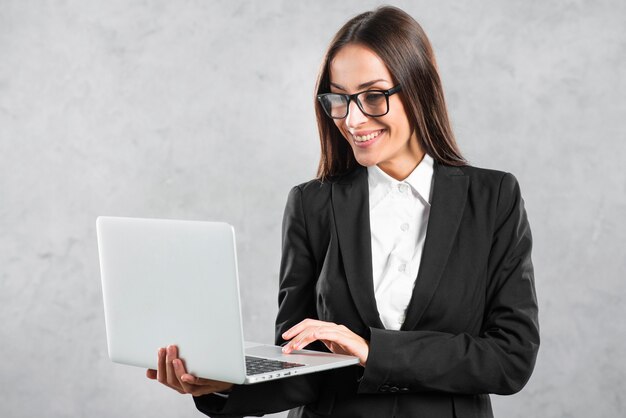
(420, 180)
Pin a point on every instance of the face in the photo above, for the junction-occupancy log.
(386, 141)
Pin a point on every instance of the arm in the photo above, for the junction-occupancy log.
(296, 294)
(498, 360)
(296, 302)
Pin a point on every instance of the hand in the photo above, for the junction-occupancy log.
(171, 372)
(337, 338)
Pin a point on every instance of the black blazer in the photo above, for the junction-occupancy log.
(471, 327)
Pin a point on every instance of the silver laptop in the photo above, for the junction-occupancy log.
(176, 282)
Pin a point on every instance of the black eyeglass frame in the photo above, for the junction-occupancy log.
(354, 97)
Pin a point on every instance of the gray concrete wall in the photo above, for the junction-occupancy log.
(203, 110)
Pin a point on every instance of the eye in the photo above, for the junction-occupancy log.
(372, 97)
(336, 98)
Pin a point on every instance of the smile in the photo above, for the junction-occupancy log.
(368, 137)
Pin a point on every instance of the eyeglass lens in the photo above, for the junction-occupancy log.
(371, 103)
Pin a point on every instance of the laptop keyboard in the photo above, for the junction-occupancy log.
(257, 365)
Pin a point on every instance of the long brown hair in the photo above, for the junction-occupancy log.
(404, 47)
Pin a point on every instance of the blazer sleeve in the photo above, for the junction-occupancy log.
(296, 302)
(500, 359)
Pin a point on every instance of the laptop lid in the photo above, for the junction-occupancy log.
(172, 282)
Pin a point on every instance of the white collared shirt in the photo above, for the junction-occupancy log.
(399, 212)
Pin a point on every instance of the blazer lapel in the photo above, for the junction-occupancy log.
(448, 202)
(350, 202)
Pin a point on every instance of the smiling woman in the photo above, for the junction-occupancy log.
(399, 253)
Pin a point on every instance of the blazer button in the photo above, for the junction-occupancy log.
(393, 389)
(384, 388)
(404, 390)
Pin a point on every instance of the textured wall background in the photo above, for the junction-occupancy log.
(203, 110)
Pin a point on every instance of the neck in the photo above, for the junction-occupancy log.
(402, 168)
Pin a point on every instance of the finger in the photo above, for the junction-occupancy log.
(186, 380)
(309, 337)
(303, 339)
(161, 370)
(151, 374)
(197, 381)
(333, 335)
(190, 383)
(302, 325)
(329, 345)
(196, 385)
(296, 329)
(295, 340)
(172, 380)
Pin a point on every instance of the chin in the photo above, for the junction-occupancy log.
(365, 161)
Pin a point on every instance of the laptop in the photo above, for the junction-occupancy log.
(176, 282)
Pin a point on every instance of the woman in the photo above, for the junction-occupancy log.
(399, 253)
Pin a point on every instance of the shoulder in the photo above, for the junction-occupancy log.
(317, 193)
(486, 176)
(495, 189)
(310, 194)
(484, 179)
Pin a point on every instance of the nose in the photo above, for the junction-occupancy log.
(355, 116)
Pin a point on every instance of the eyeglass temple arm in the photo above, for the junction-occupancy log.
(394, 90)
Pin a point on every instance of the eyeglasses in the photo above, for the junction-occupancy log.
(373, 103)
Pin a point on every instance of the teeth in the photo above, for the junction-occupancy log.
(366, 137)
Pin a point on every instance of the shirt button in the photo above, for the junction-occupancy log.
(402, 267)
(403, 187)
(404, 226)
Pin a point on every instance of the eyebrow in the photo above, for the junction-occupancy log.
(361, 86)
